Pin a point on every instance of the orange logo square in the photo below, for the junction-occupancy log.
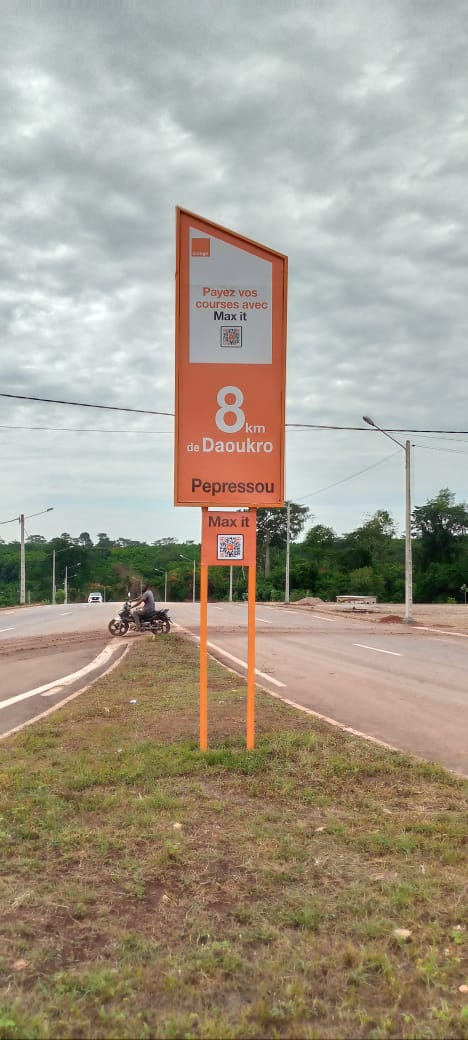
(201, 246)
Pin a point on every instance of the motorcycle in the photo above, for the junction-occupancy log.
(158, 621)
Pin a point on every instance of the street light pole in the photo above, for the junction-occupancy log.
(408, 547)
(65, 584)
(182, 557)
(55, 553)
(158, 569)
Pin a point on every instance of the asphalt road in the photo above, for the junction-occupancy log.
(398, 684)
(41, 651)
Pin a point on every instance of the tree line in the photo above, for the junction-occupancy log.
(367, 561)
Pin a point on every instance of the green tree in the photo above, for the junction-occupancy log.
(320, 538)
(103, 538)
(365, 582)
(439, 526)
(370, 544)
(272, 527)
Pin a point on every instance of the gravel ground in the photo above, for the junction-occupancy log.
(437, 615)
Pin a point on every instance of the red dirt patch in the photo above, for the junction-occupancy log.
(390, 618)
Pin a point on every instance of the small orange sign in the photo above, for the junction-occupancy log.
(230, 368)
(229, 538)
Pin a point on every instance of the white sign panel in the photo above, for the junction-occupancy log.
(230, 304)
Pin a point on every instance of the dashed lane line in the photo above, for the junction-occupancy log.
(377, 649)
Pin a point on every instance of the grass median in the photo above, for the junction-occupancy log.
(315, 887)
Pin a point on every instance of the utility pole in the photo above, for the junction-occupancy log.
(21, 520)
(408, 545)
(22, 563)
(408, 548)
(288, 544)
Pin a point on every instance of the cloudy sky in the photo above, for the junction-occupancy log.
(335, 133)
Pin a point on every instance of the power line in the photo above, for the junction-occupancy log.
(149, 411)
(84, 404)
(351, 476)
(301, 427)
(432, 447)
(84, 429)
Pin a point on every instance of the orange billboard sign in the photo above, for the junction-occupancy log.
(229, 539)
(230, 368)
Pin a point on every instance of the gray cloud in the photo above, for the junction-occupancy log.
(335, 133)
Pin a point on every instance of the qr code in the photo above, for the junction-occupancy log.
(230, 547)
(230, 337)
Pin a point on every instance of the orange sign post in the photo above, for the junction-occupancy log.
(204, 657)
(228, 539)
(230, 404)
(230, 368)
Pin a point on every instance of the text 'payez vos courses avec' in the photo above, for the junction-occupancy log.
(225, 299)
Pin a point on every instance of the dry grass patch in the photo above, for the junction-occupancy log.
(313, 888)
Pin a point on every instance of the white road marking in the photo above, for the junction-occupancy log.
(67, 680)
(66, 700)
(65, 612)
(52, 692)
(11, 629)
(377, 649)
(334, 722)
(440, 631)
(291, 610)
(237, 660)
(264, 622)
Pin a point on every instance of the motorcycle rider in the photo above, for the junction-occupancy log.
(146, 603)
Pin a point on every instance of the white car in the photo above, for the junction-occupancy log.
(95, 597)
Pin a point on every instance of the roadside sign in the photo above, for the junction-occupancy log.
(230, 368)
(229, 538)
